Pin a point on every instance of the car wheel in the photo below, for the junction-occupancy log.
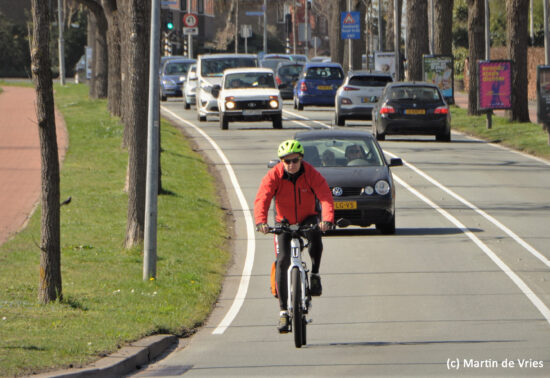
(387, 228)
(224, 123)
(295, 106)
(378, 135)
(300, 105)
(277, 121)
(443, 137)
(187, 105)
(163, 98)
(201, 118)
(339, 121)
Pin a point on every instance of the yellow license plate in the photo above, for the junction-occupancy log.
(324, 87)
(415, 111)
(345, 205)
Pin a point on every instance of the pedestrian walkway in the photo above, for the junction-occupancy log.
(20, 157)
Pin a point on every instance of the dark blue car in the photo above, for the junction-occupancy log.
(318, 84)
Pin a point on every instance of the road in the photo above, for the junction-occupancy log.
(461, 289)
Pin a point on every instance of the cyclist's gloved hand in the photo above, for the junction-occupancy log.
(262, 227)
(325, 226)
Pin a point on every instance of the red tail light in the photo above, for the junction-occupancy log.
(346, 88)
(441, 110)
(278, 80)
(303, 87)
(387, 109)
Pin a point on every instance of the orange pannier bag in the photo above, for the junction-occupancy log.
(274, 269)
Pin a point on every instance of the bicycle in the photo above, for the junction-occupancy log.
(299, 297)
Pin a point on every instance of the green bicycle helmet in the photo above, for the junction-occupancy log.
(290, 146)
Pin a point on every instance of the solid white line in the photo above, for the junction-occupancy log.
(509, 272)
(251, 240)
(490, 218)
(306, 118)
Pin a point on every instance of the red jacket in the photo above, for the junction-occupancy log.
(295, 202)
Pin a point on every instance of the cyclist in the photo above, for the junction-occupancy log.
(296, 186)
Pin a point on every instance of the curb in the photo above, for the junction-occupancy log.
(126, 360)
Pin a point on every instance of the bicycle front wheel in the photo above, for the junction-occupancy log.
(298, 325)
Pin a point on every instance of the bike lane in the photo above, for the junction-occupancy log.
(20, 157)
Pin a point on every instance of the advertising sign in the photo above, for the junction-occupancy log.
(543, 94)
(495, 84)
(438, 70)
(384, 62)
(350, 25)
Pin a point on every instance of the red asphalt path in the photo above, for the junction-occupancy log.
(20, 157)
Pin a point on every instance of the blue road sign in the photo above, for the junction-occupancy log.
(254, 13)
(350, 25)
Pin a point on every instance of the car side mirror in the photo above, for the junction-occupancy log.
(272, 163)
(216, 91)
(396, 162)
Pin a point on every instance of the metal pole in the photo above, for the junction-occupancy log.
(306, 26)
(265, 26)
(350, 48)
(151, 185)
(488, 54)
(380, 38)
(61, 42)
(432, 29)
(237, 29)
(396, 31)
(546, 37)
(294, 28)
(189, 37)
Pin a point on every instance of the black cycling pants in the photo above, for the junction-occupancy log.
(315, 250)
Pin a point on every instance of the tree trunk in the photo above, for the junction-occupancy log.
(389, 41)
(50, 288)
(358, 45)
(336, 44)
(137, 25)
(114, 89)
(516, 42)
(443, 28)
(92, 27)
(476, 42)
(98, 85)
(417, 37)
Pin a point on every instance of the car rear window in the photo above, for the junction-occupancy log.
(415, 93)
(290, 70)
(370, 81)
(324, 73)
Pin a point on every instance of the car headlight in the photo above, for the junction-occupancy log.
(230, 103)
(168, 82)
(368, 190)
(273, 102)
(382, 187)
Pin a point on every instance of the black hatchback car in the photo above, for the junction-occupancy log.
(412, 108)
(358, 174)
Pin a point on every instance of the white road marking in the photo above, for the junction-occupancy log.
(251, 240)
(509, 272)
(306, 118)
(490, 218)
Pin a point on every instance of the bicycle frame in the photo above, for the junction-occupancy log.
(296, 247)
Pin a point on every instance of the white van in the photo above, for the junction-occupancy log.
(210, 69)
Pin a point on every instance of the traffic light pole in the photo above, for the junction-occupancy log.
(151, 185)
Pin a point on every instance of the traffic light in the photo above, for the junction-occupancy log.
(167, 21)
(288, 22)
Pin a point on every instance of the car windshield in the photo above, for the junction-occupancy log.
(370, 81)
(290, 71)
(414, 93)
(216, 66)
(176, 68)
(250, 80)
(272, 63)
(336, 152)
(324, 73)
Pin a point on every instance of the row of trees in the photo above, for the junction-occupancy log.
(121, 67)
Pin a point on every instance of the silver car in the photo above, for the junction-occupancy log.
(190, 87)
(358, 95)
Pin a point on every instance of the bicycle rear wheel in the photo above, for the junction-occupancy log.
(298, 324)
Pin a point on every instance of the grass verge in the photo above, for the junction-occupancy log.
(526, 137)
(106, 303)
